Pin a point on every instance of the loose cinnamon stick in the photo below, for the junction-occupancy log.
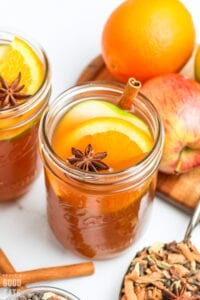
(5, 264)
(45, 274)
(6, 267)
(130, 92)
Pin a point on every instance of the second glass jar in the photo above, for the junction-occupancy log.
(19, 155)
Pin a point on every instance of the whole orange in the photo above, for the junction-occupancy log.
(146, 38)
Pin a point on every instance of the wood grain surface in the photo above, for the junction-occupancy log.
(183, 190)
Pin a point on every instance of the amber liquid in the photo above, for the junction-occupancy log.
(19, 164)
(97, 226)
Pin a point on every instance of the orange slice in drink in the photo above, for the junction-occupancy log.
(91, 109)
(20, 57)
(124, 142)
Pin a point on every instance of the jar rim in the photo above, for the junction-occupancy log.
(76, 173)
(56, 290)
(7, 37)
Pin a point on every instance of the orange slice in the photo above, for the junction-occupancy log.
(20, 57)
(124, 142)
(90, 109)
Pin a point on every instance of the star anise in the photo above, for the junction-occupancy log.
(10, 94)
(179, 294)
(182, 297)
(88, 160)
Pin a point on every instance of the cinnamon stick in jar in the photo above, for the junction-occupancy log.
(130, 93)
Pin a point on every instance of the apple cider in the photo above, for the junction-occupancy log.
(24, 94)
(100, 166)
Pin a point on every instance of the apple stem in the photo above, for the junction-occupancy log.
(130, 92)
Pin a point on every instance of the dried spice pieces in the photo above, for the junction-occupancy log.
(164, 271)
(41, 296)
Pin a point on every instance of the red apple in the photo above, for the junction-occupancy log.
(177, 99)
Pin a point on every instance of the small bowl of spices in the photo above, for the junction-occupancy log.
(43, 293)
(165, 271)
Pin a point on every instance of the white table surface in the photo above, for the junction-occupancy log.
(70, 32)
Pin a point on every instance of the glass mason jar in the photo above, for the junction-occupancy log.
(98, 215)
(19, 155)
(43, 292)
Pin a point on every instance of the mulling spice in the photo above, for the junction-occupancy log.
(164, 271)
(41, 296)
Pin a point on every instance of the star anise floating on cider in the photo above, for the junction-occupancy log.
(87, 160)
(10, 94)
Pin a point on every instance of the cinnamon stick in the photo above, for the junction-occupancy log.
(5, 264)
(130, 92)
(7, 267)
(45, 274)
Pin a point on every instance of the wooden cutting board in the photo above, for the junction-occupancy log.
(182, 191)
